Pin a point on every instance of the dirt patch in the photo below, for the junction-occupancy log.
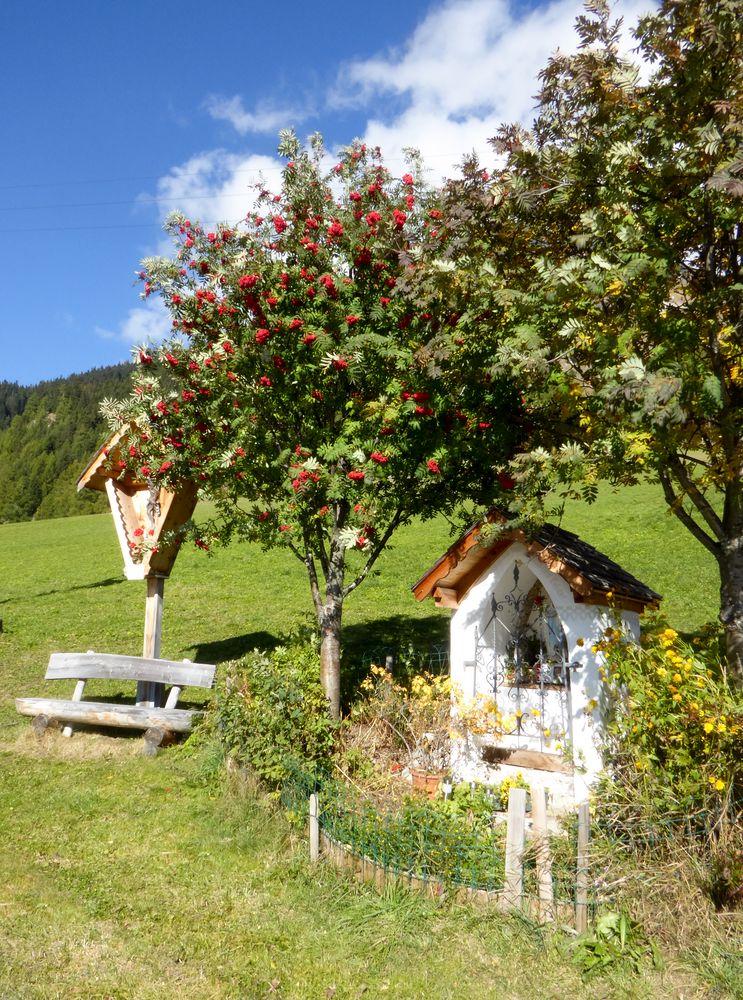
(82, 745)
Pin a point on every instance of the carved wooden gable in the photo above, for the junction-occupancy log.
(144, 516)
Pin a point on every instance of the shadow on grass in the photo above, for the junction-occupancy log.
(234, 647)
(108, 582)
(415, 644)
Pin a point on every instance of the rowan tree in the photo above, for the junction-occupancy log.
(312, 403)
(601, 266)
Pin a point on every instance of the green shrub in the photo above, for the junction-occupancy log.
(273, 715)
(675, 725)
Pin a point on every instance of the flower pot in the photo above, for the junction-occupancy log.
(425, 781)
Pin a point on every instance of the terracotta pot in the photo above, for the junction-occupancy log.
(425, 781)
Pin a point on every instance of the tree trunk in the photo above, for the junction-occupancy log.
(329, 615)
(330, 656)
(730, 561)
(731, 607)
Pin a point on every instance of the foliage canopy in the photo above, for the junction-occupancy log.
(312, 402)
(602, 268)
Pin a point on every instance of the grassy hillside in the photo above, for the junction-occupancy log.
(133, 878)
(62, 588)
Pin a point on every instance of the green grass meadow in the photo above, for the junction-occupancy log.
(129, 877)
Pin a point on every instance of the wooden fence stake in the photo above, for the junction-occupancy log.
(514, 884)
(581, 875)
(543, 857)
(314, 829)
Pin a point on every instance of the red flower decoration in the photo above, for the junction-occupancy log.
(356, 474)
(377, 456)
(433, 465)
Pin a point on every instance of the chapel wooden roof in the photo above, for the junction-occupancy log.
(592, 576)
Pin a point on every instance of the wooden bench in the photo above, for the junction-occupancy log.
(158, 722)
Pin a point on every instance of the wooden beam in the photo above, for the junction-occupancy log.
(514, 883)
(94, 713)
(535, 759)
(150, 693)
(110, 666)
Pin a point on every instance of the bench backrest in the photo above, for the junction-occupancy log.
(109, 666)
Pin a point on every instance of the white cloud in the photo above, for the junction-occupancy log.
(469, 66)
(267, 117)
(148, 323)
(216, 186)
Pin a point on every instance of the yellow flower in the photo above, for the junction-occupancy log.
(709, 726)
(677, 697)
(669, 633)
(721, 727)
(580, 642)
(719, 785)
(677, 678)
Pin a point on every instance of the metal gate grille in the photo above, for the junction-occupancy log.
(521, 659)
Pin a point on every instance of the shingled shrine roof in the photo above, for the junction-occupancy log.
(592, 576)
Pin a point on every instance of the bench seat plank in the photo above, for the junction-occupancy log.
(100, 713)
(110, 666)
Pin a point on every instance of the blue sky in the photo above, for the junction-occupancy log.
(114, 114)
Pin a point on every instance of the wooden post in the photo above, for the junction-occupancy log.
(314, 829)
(543, 858)
(581, 875)
(149, 693)
(514, 884)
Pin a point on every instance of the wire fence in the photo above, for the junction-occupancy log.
(430, 843)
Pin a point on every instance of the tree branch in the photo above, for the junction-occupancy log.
(675, 505)
(696, 496)
(397, 518)
(309, 563)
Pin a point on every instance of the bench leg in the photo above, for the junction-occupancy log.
(40, 725)
(153, 739)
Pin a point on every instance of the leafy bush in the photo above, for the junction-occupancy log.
(674, 724)
(615, 939)
(674, 790)
(273, 714)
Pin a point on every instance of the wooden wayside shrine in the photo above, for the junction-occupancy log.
(147, 521)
